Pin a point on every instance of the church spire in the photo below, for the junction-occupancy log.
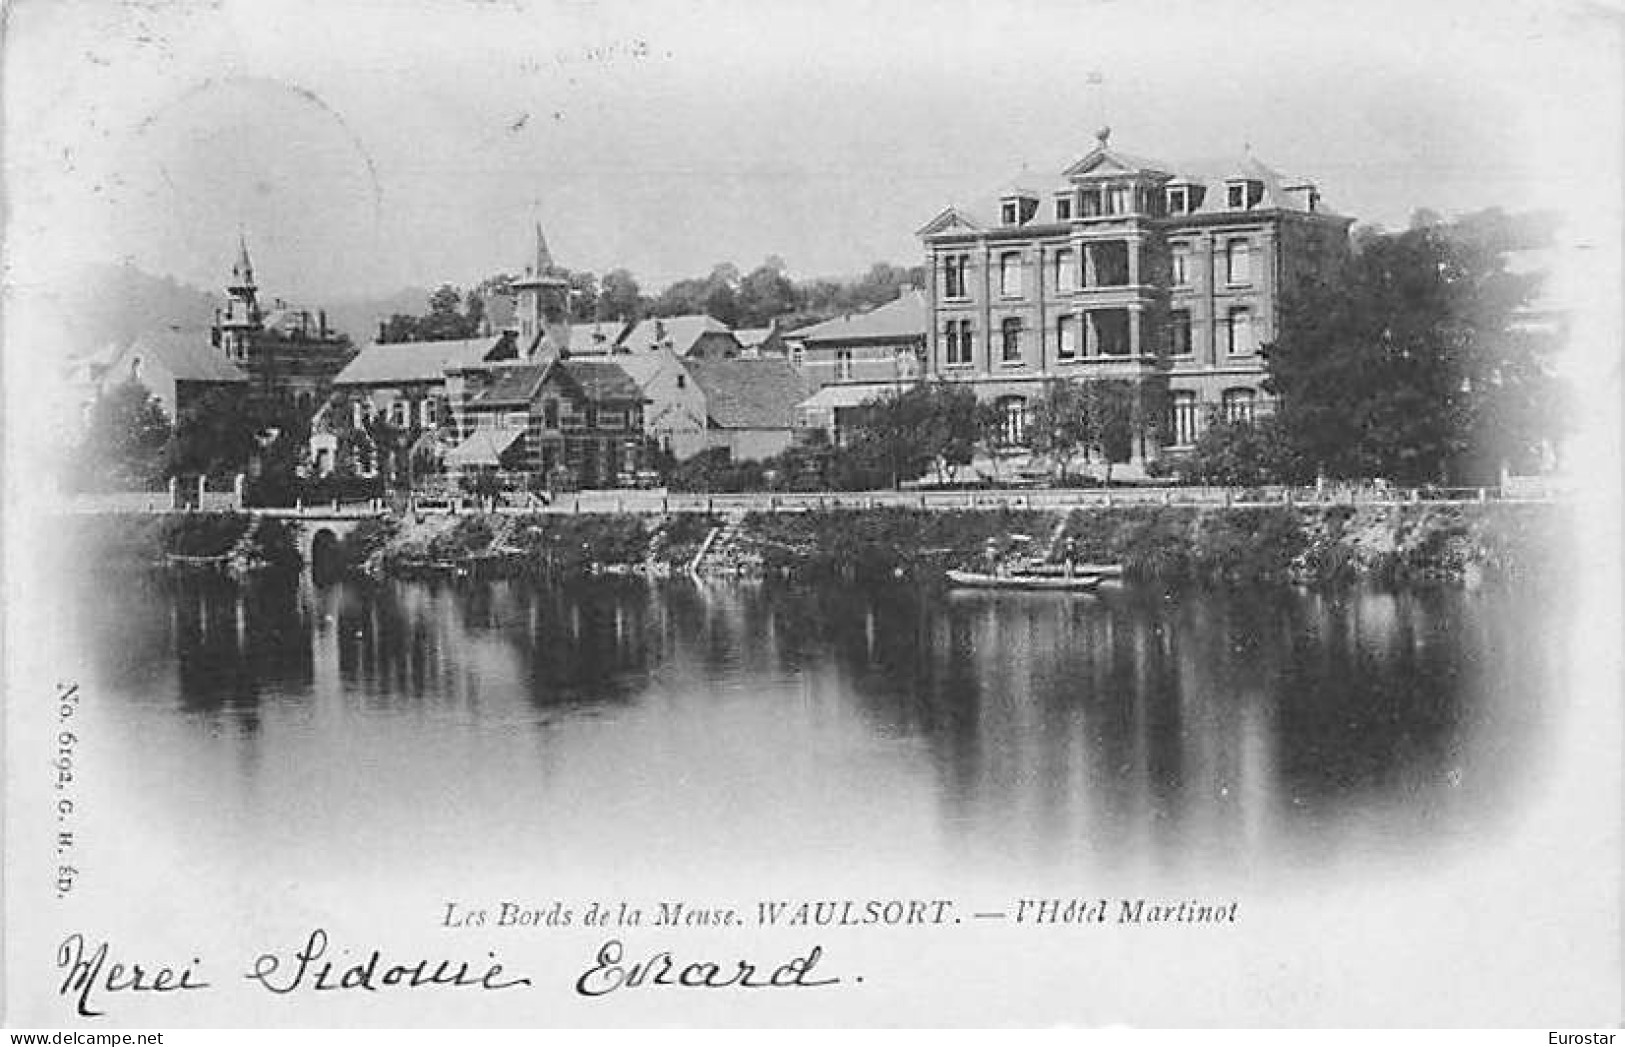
(544, 257)
(242, 270)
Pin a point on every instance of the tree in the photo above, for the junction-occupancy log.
(1059, 428)
(619, 297)
(123, 443)
(1243, 454)
(764, 295)
(1409, 365)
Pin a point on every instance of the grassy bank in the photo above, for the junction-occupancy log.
(229, 541)
(1170, 544)
(1219, 545)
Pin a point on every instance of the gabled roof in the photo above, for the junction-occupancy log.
(1102, 161)
(485, 445)
(511, 385)
(949, 219)
(645, 367)
(750, 394)
(681, 331)
(187, 355)
(752, 337)
(403, 362)
(902, 317)
(600, 380)
(600, 337)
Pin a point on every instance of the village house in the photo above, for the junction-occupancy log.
(690, 337)
(177, 367)
(519, 403)
(885, 344)
(1129, 268)
(761, 341)
(674, 414)
(289, 354)
(750, 405)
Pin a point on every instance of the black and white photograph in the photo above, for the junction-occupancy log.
(569, 513)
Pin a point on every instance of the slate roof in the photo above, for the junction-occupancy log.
(902, 317)
(584, 337)
(1211, 173)
(850, 394)
(601, 380)
(750, 394)
(187, 355)
(681, 331)
(511, 385)
(397, 363)
(485, 445)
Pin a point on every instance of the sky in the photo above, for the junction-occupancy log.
(363, 147)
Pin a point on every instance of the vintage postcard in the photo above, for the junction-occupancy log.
(574, 513)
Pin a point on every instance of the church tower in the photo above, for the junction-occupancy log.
(543, 307)
(236, 325)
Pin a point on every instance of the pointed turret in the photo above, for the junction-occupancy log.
(236, 326)
(544, 257)
(543, 307)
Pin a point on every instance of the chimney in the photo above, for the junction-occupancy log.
(380, 330)
(321, 320)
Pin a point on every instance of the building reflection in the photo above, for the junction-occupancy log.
(1145, 727)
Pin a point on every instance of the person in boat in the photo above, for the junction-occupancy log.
(1071, 555)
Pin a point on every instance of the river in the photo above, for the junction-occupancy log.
(362, 753)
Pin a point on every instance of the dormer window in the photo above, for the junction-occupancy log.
(1183, 199)
(1243, 194)
(1018, 210)
(1063, 208)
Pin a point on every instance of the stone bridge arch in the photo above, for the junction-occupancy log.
(320, 535)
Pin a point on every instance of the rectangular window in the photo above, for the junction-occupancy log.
(953, 276)
(612, 419)
(1240, 327)
(1010, 274)
(1091, 202)
(843, 365)
(397, 414)
(1181, 258)
(426, 412)
(1011, 213)
(1066, 269)
(1237, 267)
(1010, 337)
(1066, 338)
(1179, 332)
(550, 414)
(1063, 209)
(1179, 199)
(1184, 424)
(956, 335)
(1119, 200)
(1237, 405)
(1235, 196)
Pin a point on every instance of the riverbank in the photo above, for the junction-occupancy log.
(1309, 544)
(1171, 544)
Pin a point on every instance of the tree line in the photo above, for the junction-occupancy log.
(739, 299)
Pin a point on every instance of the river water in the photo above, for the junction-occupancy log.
(365, 753)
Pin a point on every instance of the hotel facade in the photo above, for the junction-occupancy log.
(1130, 268)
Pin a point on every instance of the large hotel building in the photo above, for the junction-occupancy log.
(1133, 269)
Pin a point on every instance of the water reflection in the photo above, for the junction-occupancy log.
(1137, 729)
